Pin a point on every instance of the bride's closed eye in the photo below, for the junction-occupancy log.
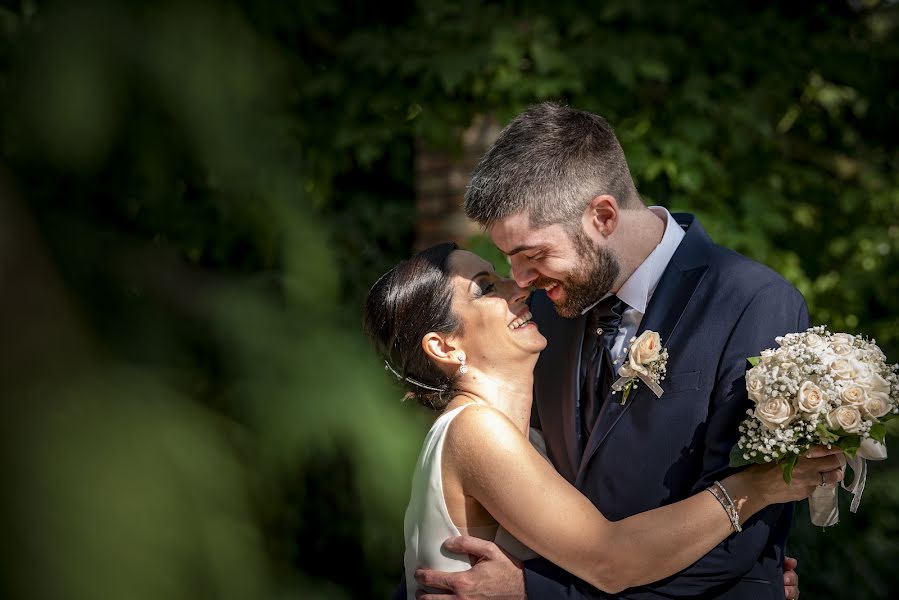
(484, 288)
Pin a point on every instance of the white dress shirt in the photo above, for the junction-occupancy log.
(637, 291)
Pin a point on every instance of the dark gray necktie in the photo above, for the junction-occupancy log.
(603, 321)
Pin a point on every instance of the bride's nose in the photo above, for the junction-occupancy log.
(516, 293)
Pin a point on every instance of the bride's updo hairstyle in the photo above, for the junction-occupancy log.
(409, 301)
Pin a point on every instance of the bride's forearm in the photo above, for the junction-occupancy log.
(655, 544)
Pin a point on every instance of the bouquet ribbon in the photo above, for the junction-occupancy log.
(627, 374)
(823, 506)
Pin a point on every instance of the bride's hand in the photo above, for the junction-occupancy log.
(817, 467)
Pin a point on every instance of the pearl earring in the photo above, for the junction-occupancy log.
(462, 368)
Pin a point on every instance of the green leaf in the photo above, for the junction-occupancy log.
(736, 457)
(754, 360)
(627, 391)
(787, 464)
(850, 444)
(879, 432)
(827, 435)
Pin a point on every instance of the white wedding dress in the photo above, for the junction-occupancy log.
(428, 524)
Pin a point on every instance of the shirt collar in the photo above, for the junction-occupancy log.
(637, 290)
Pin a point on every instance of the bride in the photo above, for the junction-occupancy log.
(461, 339)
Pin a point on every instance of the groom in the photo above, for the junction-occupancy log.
(556, 196)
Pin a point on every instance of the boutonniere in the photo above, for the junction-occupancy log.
(645, 360)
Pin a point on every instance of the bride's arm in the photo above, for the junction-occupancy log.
(497, 466)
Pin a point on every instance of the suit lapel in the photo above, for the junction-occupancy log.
(557, 384)
(669, 301)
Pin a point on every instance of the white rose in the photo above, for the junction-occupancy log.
(846, 418)
(843, 369)
(775, 412)
(786, 369)
(755, 384)
(840, 349)
(769, 358)
(811, 398)
(813, 340)
(854, 395)
(842, 338)
(644, 350)
(873, 382)
(873, 354)
(862, 367)
(877, 405)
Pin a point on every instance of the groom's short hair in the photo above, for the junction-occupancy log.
(551, 160)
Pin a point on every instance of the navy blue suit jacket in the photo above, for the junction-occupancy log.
(713, 309)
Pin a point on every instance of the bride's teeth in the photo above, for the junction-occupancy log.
(520, 321)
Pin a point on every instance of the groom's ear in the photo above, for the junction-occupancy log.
(601, 216)
(440, 349)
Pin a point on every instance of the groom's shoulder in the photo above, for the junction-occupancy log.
(743, 277)
(730, 270)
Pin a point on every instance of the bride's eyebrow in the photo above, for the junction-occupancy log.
(475, 277)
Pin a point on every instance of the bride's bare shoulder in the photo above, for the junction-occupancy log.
(480, 430)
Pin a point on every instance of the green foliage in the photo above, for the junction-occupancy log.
(824, 434)
(483, 247)
(215, 185)
(788, 464)
(849, 444)
(736, 457)
(167, 450)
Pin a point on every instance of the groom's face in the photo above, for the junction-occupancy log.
(574, 270)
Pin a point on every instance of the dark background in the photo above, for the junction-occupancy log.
(195, 197)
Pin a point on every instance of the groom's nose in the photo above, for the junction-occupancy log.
(516, 293)
(522, 272)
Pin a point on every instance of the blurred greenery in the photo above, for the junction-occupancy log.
(195, 197)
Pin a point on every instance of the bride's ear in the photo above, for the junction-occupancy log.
(440, 349)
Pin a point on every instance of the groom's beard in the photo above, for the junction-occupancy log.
(596, 275)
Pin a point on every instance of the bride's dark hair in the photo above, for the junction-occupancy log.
(412, 299)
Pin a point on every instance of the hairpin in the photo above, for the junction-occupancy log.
(387, 367)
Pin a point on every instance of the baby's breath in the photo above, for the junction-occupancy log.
(786, 422)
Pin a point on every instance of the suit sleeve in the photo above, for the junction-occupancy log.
(543, 579)
(400, 592)
(775, 310)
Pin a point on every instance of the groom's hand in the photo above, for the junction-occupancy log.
(791, 578)
(494, 574)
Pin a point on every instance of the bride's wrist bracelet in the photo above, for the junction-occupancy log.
(721, 495)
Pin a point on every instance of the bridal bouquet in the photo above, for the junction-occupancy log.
(832, 389)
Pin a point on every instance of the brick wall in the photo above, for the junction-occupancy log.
(440, 181)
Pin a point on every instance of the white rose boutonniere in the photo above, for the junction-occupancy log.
(646, 360)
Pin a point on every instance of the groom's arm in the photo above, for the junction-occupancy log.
(400, 592)
(543, 579)
(774, 310)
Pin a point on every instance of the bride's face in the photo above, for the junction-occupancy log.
(495, 319)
